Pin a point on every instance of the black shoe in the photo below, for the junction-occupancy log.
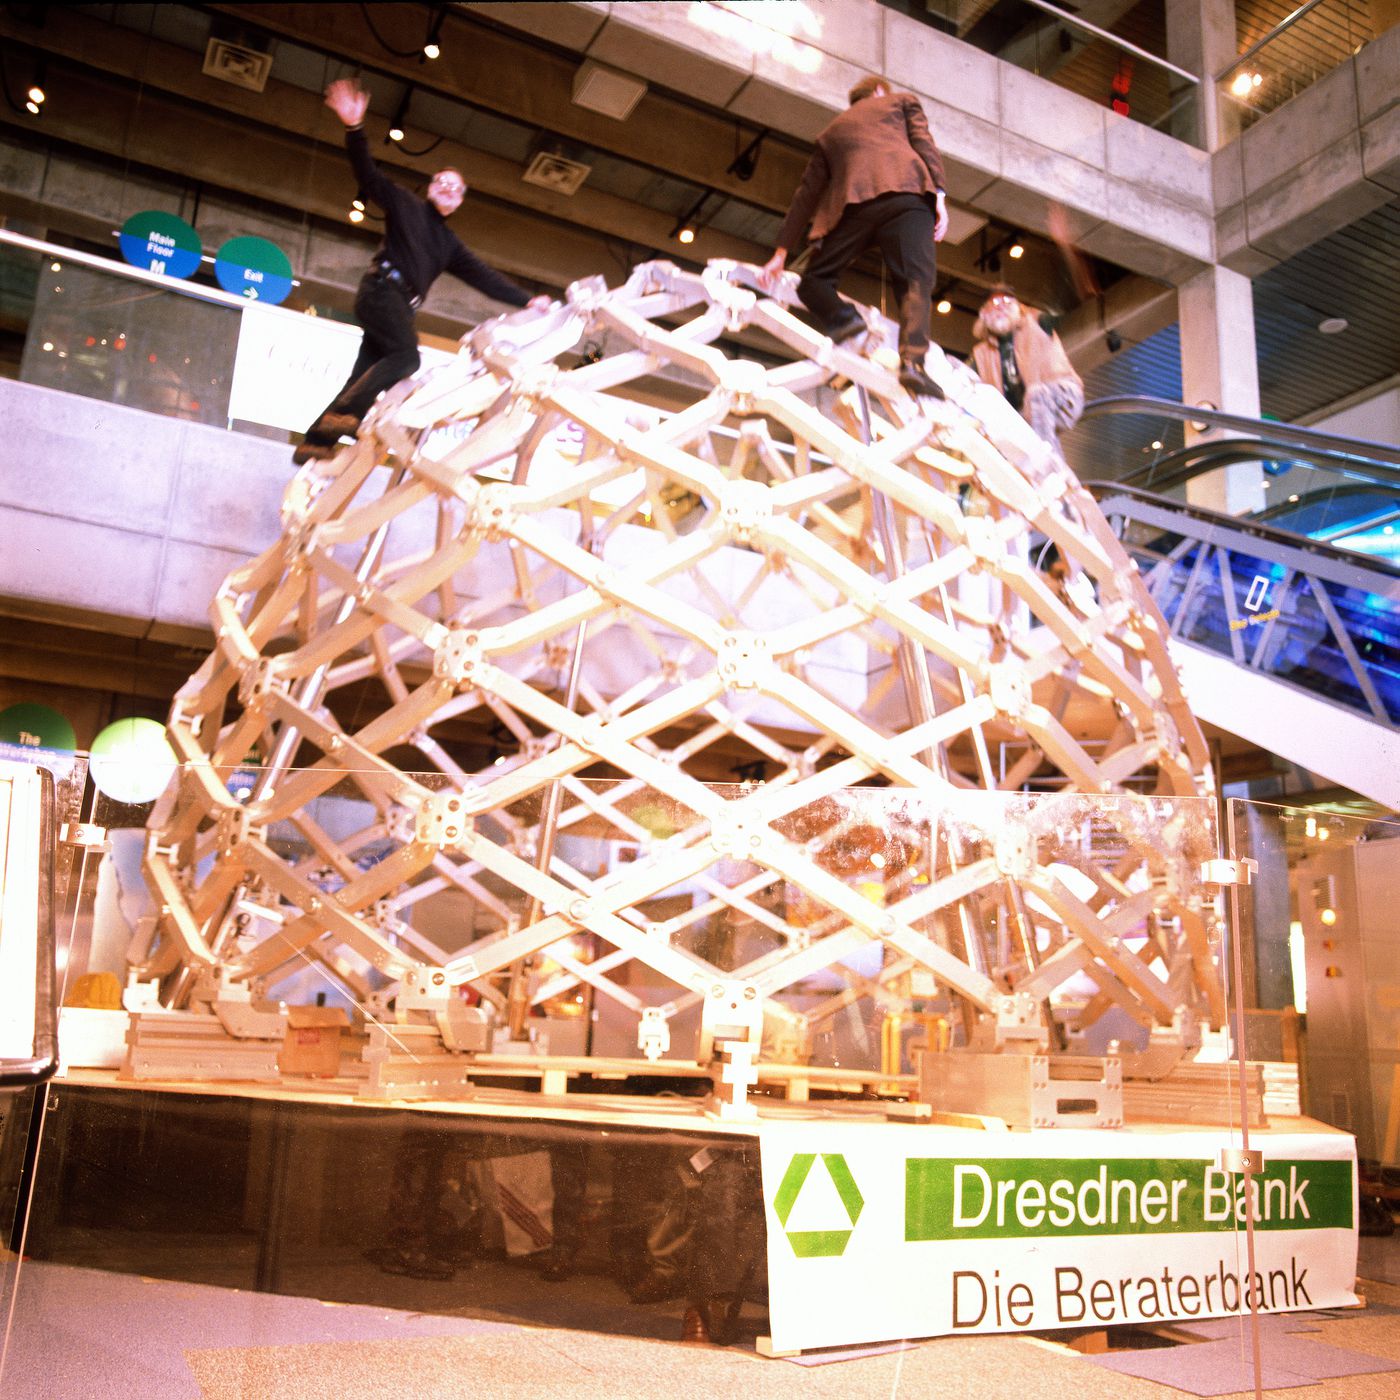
(846, 330)
(557, 1265)
(656, 1288)
(720, 1315)
(913, 377)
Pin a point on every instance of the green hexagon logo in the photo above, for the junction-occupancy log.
(817, 1244)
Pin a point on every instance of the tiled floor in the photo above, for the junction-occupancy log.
(79, 1332)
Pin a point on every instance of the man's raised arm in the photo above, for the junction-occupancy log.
(349, 101)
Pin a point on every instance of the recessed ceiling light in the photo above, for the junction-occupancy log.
(1333, 325)
(944, 307)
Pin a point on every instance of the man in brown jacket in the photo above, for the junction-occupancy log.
(1016, 354)
(875, 178)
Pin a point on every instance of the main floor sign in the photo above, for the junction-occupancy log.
(881, 1231)
(160, 242)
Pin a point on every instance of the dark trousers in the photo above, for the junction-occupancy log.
(388, 352)
(711, 1235)
(901, 226)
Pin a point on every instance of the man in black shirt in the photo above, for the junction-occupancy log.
(418, 247)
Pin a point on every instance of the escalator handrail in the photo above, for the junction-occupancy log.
(1284, 433)
(1329, 494)
(1184, 464)
(1342, 566)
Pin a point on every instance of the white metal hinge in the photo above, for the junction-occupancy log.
(1229, 872)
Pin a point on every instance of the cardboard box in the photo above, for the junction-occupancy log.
(312, 1044)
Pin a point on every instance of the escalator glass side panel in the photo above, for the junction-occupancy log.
(1275, 621)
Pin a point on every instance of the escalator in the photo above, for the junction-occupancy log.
(1284, 618)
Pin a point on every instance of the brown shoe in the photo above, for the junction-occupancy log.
(338, 424)
(314, 452)
(693, 1327)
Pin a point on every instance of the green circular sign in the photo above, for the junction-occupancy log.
(131, 761)
(160, 242)
(254, 268)
(33, 726)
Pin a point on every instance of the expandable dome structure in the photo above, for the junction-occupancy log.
(463, 721)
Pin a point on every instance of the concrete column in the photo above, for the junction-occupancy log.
(1219, 366)
(1201, 38)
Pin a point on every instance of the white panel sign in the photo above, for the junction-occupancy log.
(883, 1231)
(289, 367)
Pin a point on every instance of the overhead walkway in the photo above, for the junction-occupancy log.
(1285, 622)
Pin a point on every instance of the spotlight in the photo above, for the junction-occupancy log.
(1244, 83)
(356, 216)
(1156, 446)
(358, 204)
(745, 163)
(1328, 916)
(944, 307)
(400, 118)
(32, 107)
(1016, 250)
(55, 267)
(431, 47)
(36, 94)
(690, 221)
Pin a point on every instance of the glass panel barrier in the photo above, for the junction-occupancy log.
(1312, 1009)
(92, 326)
(1282, 56)
(511, 1061)
(111, 338)
(1120, 62)
(1312, 619)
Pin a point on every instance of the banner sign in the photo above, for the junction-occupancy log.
(160, 242)
(883, 1231)
(288, 367)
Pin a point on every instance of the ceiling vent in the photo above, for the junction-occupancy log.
(607, 91)
(552, 171)
(237, 64)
